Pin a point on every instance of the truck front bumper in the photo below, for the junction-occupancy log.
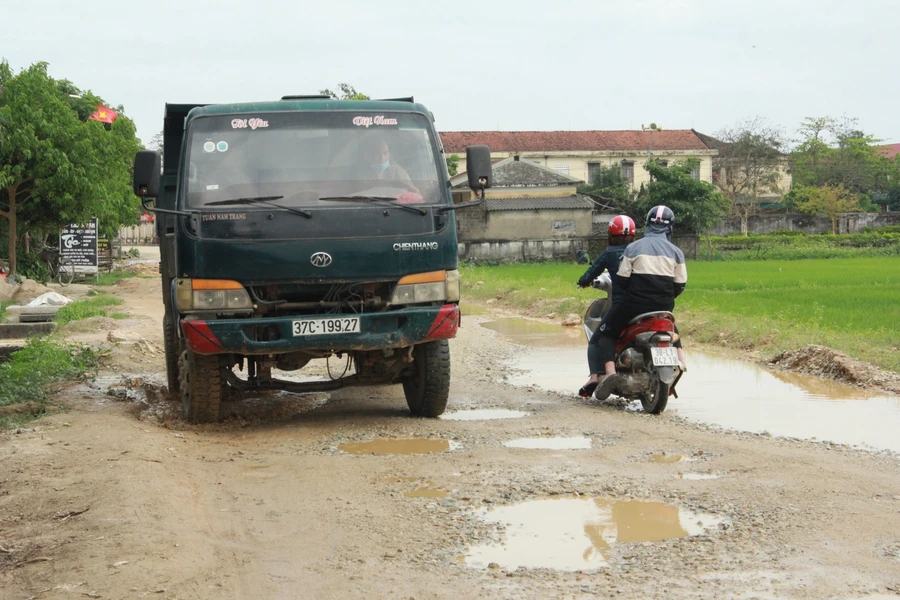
(275, 335)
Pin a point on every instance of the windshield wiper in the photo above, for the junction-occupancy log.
(262, 200)
(381, 199)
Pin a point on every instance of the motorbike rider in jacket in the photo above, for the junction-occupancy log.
(621, 233)
(652, 273)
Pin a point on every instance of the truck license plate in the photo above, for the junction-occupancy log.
(664, 357)
(326, 326)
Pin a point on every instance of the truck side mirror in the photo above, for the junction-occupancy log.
(479, 168)
(146, 174)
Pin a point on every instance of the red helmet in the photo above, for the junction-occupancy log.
(621, 225)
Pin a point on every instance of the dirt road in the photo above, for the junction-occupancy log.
(117, 498)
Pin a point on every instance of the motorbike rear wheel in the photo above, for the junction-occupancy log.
(654, 401)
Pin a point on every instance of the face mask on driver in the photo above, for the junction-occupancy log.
(379, 167)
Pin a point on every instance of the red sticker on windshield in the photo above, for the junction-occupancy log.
(251, 123)
(376, 120)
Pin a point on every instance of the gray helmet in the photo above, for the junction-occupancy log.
(661, 215)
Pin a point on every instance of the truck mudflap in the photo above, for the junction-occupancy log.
(275, 335)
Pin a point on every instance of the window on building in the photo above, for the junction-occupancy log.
(664, 164)
(593, 169)
(696, 172)
(564, 169)
(628, 171)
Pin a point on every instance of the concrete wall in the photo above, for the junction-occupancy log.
(525, 250)
(578, 161)
(561, 250)
(848, 223)
(477, 224)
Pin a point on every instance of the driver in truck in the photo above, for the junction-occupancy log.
(378, 164)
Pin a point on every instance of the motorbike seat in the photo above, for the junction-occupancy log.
(660, 314)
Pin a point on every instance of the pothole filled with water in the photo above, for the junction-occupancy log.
(426, 492)
(384, 446)
(551, 443)
(667, 459)
(571, 534)
(734, 394)
(487, 414)
(536, 333)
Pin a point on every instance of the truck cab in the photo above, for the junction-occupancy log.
(302, 229)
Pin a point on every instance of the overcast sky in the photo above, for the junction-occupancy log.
(484, 64)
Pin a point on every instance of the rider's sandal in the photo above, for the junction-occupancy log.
(588, 389)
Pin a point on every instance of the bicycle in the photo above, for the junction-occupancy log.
(61, 269)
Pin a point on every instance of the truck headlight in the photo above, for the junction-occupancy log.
(211, 294)
(435, 286)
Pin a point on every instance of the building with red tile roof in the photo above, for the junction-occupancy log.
(579, 153)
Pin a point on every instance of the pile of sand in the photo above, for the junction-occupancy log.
(26, 291)
(832, 364)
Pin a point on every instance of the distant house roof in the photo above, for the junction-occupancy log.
(566, 202)
(510, 172)
(561, 141)
(890, 150)
(710, 141)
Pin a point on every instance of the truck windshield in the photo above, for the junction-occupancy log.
(306, 156)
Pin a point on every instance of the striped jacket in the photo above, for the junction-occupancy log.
(653, 272)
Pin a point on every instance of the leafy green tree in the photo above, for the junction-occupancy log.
(608, 184)
(828, 200)
(453, 164)
(836, 152)
(55, 167)
(348, 92)
(697, 204)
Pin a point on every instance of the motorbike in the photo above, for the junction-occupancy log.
(647, 366)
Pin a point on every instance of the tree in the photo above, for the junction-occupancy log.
(749, 165)
(608, 184)
(452, 164)
(836, 152)
(697, 204)
(348, 92)
(827, 200)
(56, 168)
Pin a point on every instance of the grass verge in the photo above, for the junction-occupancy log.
(25, 377)
(763, 307)
(114, 277)
(95, 306)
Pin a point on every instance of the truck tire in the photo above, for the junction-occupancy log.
(170, 340)
(202, 387)
(428, 388)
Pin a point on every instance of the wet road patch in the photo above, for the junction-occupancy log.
(572, 534)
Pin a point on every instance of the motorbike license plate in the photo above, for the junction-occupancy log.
(664, 357)
(326, 326)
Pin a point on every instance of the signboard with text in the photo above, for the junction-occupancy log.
(78, 243)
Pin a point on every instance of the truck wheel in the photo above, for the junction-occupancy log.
(202, 387)
(428, 388)
(170, 340)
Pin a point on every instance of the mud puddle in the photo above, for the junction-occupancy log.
(727, 393)
(668, 459)
(385, 446)
(571, 534)
(536, 333)
(551, 443)
(426, 492)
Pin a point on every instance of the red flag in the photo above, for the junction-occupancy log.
(103, 114)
